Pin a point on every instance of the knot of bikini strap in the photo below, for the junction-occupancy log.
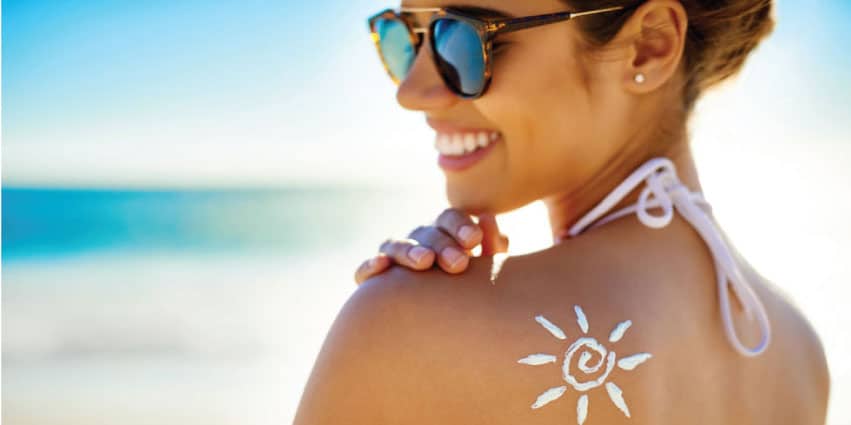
(661, 187)
(664, 191)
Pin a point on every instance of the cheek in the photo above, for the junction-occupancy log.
(538, 100)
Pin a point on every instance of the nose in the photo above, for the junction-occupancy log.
(423, 89)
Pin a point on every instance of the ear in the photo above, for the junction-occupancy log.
(656, 35)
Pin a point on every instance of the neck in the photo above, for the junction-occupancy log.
(567, 208)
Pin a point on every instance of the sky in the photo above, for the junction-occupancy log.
(265, 93)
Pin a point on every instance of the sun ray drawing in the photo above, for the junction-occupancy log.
(583, 374)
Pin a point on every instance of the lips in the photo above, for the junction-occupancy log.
(462, 147)
(451, 160)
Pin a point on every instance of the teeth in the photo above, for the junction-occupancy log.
(470, 142)
(459, 144)
(440, 142)
(482, 139)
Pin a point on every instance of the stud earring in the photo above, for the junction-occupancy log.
(639, 78)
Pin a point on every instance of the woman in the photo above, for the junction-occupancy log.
(641, 315)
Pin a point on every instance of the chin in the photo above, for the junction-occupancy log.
(481, 198)
(472, 199)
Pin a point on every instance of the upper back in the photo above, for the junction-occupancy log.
(426, 347)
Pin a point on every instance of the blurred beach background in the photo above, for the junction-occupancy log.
(189, 186)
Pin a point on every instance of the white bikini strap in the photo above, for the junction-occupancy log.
(664, 190)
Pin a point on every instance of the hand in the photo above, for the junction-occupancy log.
(449, 241)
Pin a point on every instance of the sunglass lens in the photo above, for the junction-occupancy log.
(459, 55)
(394, 43)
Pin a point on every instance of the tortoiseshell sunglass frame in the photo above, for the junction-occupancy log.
(487, 29)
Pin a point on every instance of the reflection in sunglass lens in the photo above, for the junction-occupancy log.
(394, 41)
(459, 55)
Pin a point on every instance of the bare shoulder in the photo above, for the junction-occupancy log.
(556, 339)
(568, 334)
(794, 341)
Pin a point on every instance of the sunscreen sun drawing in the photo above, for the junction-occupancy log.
(586, 347)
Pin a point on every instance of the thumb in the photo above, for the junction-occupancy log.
(493, 242)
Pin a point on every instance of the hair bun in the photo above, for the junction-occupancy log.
(720, 37)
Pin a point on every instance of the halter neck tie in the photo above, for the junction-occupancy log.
(664, 190)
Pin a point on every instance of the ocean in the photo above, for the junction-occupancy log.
(197, 307)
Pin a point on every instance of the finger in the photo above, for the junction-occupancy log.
(452, 257)
(493, 242)
(461, 226)
(374, 266)
(408, 253)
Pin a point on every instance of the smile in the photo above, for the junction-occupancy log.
(461, 150)
(460, 144)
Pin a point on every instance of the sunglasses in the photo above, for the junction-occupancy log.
(461, 42)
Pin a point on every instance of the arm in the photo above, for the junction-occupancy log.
(349, 380)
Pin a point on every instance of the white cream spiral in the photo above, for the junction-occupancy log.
(587, 348)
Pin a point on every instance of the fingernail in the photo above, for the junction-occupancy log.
(417, 253)
(467, 232)
(452, 256)
(372, 262)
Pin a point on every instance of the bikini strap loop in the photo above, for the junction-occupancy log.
(664, 190)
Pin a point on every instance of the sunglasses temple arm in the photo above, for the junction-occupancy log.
(517, 24)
